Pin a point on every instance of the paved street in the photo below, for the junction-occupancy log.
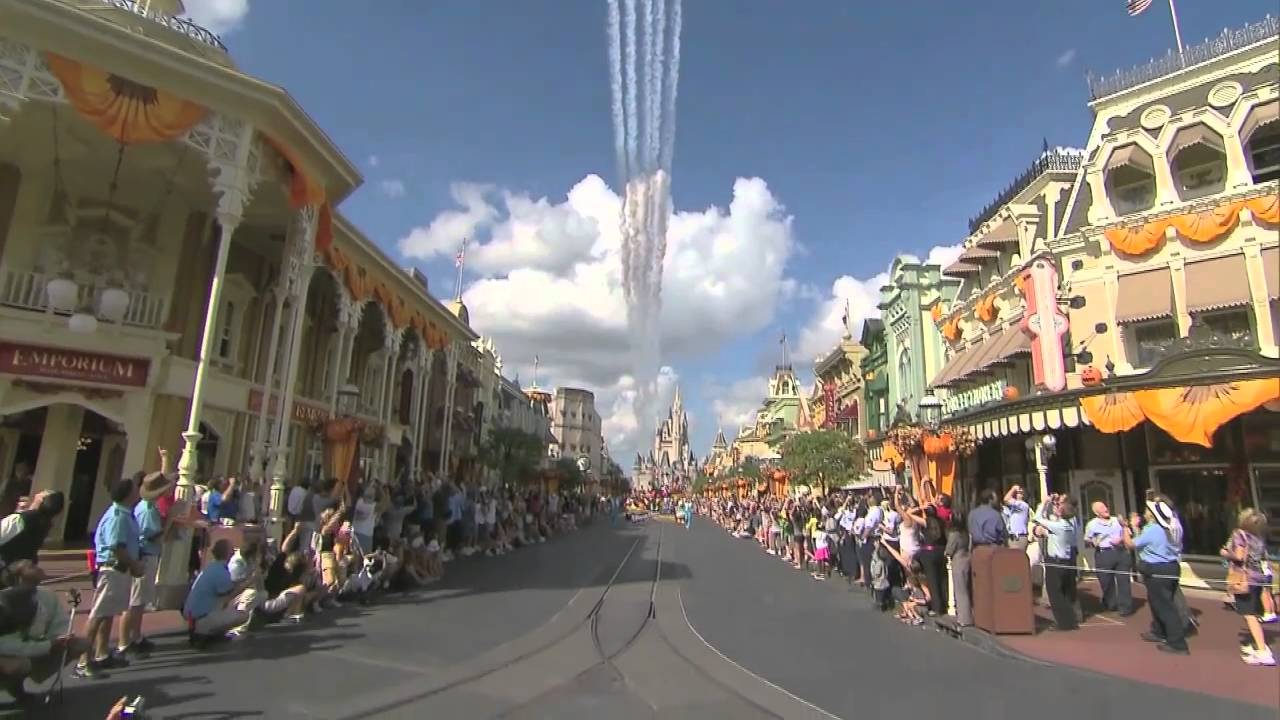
(577, 627)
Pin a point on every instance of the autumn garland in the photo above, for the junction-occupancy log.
(912, 438)
(368, 432)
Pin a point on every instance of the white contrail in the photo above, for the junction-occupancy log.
(669, 89)
(629, 19)
(646, 83)
(615, 89)
(659, 77)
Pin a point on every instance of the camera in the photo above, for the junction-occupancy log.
(134, 709)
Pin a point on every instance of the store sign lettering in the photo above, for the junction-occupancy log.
(973, 397)
(303, 411)
(64, 364)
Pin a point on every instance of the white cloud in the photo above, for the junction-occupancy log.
(392, 188)
(1066, 58)
(825, 328)
(550, 281)
(736, 403)
(217, 16)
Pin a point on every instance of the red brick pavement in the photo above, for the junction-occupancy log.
(1109, 644)
(68, 574)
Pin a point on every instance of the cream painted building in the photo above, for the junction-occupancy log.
(576, 424)
(174, 273)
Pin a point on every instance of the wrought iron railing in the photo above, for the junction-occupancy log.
(177, 24)
(1056, 160)
(1229, 41)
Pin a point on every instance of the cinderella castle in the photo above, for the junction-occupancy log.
(671, 463)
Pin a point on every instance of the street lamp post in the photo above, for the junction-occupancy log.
(1041, 448)
(930, 411)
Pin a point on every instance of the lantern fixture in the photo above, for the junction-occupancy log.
(113, 303)
(930, 410)
(63, 293)
(83, 323)
(348, 395)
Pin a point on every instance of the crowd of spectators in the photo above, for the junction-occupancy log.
(338, 543)
(912, 554)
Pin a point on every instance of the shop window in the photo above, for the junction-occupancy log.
(1264, 153)
(1148, 339)
(1235, 324)
(226, 335)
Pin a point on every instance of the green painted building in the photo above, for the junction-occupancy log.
(913, 344)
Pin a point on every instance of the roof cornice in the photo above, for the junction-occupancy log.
(69, 31)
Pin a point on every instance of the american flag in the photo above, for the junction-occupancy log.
(461, 257)
(1135, 7)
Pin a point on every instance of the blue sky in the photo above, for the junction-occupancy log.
(879, 127)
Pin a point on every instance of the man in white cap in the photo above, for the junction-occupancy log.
(151, 532)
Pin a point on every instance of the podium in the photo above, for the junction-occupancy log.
(1002, 597)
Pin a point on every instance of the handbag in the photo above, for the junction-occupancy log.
(1237, 580)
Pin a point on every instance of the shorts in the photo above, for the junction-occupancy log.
(143, 592)
(821, 554)
(111, 593)
(1249, 604)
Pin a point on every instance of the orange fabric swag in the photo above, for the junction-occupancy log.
(127, 111)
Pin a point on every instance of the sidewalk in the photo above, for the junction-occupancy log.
(1109, 644)
(70, 573)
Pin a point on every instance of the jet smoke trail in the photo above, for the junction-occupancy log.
(644, 77)
(615, 88)
(630, 59)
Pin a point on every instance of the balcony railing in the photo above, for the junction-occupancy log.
(179, 25)
(26, 290)
(1229, 41)
(1055, 160)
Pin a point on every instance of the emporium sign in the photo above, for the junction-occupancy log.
(64, 364)
(304, 412)
(974, 396)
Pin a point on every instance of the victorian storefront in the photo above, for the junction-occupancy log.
(174, 273)
(1134, 348)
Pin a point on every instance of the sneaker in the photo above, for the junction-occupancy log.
(114, 661)
(295, 619)
(134, 651)
(1261, 659)
(90, 671)
(1269, 617)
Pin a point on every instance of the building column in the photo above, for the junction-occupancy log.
(391, 344)
(349, 312)
(1259, 300)
(174, 577)
(450, 386)
(422, 413)
(55, 465)
(258, 452)
(299, 255)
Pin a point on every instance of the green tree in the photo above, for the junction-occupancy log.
(823, 457)
(750, 469)
(571, 476)
(513, 453)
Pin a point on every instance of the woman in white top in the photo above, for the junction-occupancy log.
(364, 517)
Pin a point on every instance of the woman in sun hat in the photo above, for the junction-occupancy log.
(151, 531)
(1159, 545)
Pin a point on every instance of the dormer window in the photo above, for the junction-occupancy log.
(1199, 163)
(237, 296)
(1130, 180)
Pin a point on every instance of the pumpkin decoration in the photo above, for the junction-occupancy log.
(872, 433)
(1010, 393)
(1090, 376)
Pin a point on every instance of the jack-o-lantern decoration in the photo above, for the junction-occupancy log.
(1010, 392)
(872, 433)
(1090, 376)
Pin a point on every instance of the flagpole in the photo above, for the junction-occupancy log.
(1177, 34)
(462, 260)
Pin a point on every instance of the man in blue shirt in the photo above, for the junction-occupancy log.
(116, 553)
(151, 530)
(1017, 517)
(1105, 533)
(207, 607)
(1159, 545)
(986, 525)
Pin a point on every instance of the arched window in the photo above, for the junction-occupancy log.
(1261, 136)
(1198, 161)
(1130, 180)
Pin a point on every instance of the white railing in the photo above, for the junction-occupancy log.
(25, 289)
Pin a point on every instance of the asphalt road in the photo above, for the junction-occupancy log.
(645, 622)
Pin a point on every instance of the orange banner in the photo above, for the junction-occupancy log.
(1188, 414)
(127, 111)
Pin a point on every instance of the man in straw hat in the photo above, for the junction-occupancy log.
(151, 533)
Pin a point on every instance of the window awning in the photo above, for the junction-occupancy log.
(1133, 156)
(1144, 296)
(960, 268)
(1011, 342)
(1271, 268)
(1259, 116)
(978, 253)
(1221, 282)
(1002, 235)
(949, 370)
(1187, 137)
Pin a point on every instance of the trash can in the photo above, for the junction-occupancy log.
(1002, 598)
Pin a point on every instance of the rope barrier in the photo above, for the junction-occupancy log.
(1096, 571)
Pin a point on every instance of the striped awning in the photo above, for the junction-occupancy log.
(1067, 414)
(1133, 156)
(955, 367)
(1145, 296)
(978, 253)
(1217, 283)
(1003, 235)
(960, 268)
(1189, 136)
